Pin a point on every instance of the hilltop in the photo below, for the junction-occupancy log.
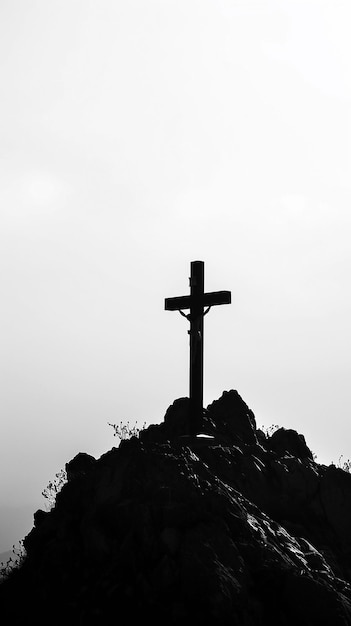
(234, 526)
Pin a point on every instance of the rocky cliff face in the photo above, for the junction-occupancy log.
(232, 528)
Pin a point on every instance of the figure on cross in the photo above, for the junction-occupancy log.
(196, 302)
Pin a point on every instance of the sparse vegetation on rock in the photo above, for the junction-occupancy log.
(14, 561)
(124, 430)
(54, 487)
(240, 527)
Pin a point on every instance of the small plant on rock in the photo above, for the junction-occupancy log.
(19, 554)
(344, 465)
(50, 492)
(268, 431)
(126, 431)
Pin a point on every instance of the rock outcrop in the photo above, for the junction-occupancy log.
(230, 527)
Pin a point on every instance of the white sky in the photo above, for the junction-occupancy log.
(136, 137)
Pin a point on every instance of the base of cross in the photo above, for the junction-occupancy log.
(181, 421)
(196, 442)
(202, 439)
(196, 420)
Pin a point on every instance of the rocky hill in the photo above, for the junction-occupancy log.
(235, 527)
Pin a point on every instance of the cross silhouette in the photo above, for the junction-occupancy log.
(196, 302)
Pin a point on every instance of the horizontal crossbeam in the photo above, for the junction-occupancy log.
(206, 299)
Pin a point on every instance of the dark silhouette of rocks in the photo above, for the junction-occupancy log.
(285, 442)
(231, 527)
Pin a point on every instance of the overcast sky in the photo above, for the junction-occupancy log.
(136, 137)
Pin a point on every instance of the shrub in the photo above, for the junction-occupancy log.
(14, 562)
(50, 492)
(344, 465)
(268, 431)
(125, 430)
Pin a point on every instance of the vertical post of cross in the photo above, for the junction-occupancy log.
(196, 303)
(196, 333)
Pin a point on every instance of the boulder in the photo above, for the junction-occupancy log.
(80, 465)
(287, 441)
(176, 419)
(233, 418)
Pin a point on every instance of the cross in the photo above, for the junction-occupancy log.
(196, 302)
